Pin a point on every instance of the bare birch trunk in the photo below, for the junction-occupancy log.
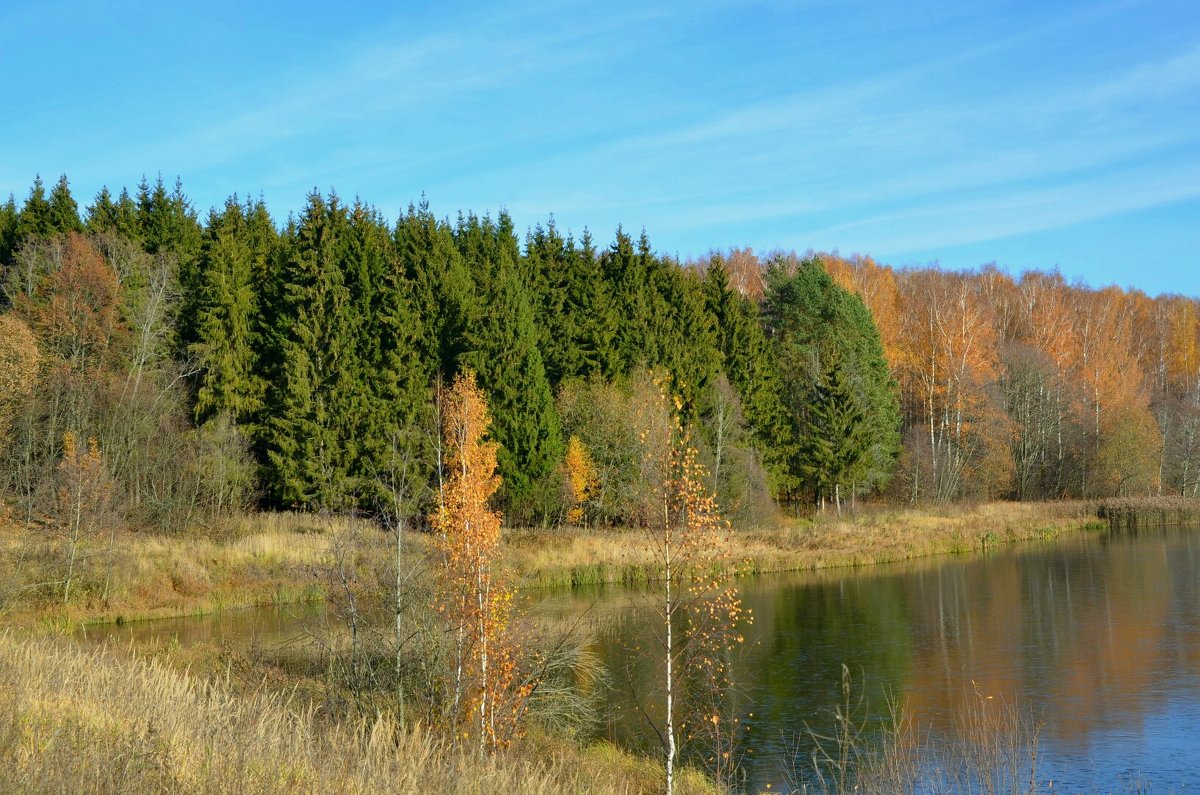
(670, 609)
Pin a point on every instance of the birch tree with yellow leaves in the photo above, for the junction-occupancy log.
(698, 609)
(476, 598)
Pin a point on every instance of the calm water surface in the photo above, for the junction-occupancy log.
(1096, 637)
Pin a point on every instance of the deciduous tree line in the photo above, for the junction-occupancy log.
(1035, 388)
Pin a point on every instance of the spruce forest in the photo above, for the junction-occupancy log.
(221, 361)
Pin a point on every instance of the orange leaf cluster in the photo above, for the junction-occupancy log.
(84, 484)
(476, 599)
(76, 307)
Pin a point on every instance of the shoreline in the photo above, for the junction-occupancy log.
(624, 556)
(276, 559)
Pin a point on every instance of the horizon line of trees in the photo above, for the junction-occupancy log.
(230, 360)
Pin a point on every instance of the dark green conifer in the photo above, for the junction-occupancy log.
(504, 353)
(35, 219)
(9, 219)
(114, 216)
(576, 315)
(486, 245)
(812, 322)
(837, 444)
(628, 277)
(306, 436)
(589, 299)
(390, 396)
(63, 210)
(682, 336)
(442, 289)
(226, 315)
(750, 367)
(102, 212)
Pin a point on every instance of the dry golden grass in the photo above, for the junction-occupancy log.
(77, 721)
(582, 557)
(277, 557)
(260, 559)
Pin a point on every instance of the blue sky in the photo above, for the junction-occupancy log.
(1032, 134)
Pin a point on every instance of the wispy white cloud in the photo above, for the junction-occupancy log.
(1019, 146)
(950, 224)
(372, 93)
(929, 129)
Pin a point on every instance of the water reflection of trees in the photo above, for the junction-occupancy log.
(1084, 635)
(1090, 635)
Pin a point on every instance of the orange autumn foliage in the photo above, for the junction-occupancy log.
(949, 355)
(75, 309)
(19, 360)
(476, 599)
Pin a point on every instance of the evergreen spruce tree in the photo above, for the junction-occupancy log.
(573, 309)
(657, 293)
(102, 213)
(167, 221)
(9, 219)
(307, 436)
(814, 324)
(748, 364)
(226, 311)
(63, 210)
(35, 219)
(628, 277)
(263, 239)
(486, 246)
(114, 216)
(504, 353)
(589, 320)
(545, 266)
(271, 290)
(683, 338)
(837, 445)
(441, 288)
(664, 320)
(880, 395)
(128, 217)
(589, 300)
(390, 396)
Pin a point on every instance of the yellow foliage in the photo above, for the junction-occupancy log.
(581, 475)
(19, 360)
(476, 600)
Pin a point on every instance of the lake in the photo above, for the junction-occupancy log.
(1095, 638)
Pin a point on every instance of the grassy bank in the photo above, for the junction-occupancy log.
(262, 559)
(581, 557)
(279, 558)
(78, 721)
